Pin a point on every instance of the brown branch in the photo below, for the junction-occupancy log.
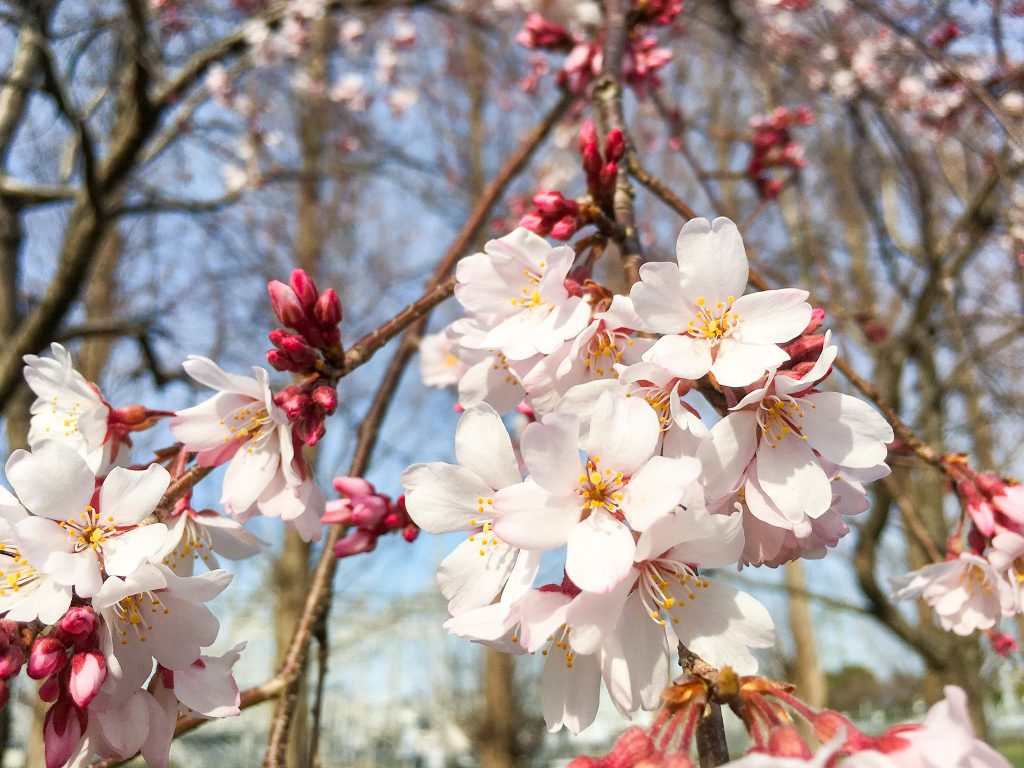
(712, 747)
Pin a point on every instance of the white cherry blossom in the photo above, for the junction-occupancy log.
(585, 504)
(76, 535)
(517, 286)
(242, 425)
(443, 498)
(710, 325)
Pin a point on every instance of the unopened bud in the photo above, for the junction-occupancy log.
(11, 661)
(786, 741)
(353, 486)
(50, 689)
(305, 290)
(47, 657)
(79, 621)
(614, 146)
(411, 532)
(326, 397)
(355, 543)
(328, 310)
(279, 361)
(588, 135)
(564, 228)
(88, 671)
(286, 304)
(631, 747)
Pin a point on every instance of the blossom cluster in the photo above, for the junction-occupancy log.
(622, 478)
(982, 579)
(100, 588)
(773, 146)
(576, 37)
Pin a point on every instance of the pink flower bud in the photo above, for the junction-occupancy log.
(326, 397)
(411, 532)
(328, 310)
(11, 661)
(279, 361)
(310, 430)
(50, 689)
(632, 746)
(88, 671)
(786, 741)
(63, 729)
(337, 512)
(550, 203)
(564, 228)
(588, 135)
(48, 656)
(353, 486)
(286, 304)
(614, 146)
(534, 222)
(355, 543)
(1002, 643)
(305, 290)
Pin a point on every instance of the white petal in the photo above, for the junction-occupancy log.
(550, 451)
(600, 553)
(442, 498)
(570, 695)
(726, 455)
(207, 372)
(52, 482)
(128, 495)
(772, 317)
(712, 261)
(793, 479)
(845, 430)
(658, 299)
(721, 626)
(738, 364)
(483, 446)
(249, 473)
(624, 432)
(474, 573)
(123, 554)
(527, 516)
(683, 356)
(656, 489)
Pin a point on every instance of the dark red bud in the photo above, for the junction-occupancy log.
(305, 290)
(47, 657)
(286, 304)
(328, 310)
(614, 146)
(326, 397)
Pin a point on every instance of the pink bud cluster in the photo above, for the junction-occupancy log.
(554, 215)
(945, 34)
(73, 669)
(806, 348)
(657, 12)
(369, 513)
(538, 32)
(601, 171)
(633, 749)
(773, 147)
(311, 349)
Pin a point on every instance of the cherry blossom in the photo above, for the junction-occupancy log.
(243, 426)
(443, 498)
(516, 287)
(75, 534)
(966, 593)
(585, 505)
(711, 326)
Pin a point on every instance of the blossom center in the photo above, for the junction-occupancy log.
(780, 416)
(600, 490)
(88, 530)
(529, 294)
(249, 424)
(974, 578)
(132, 613)
(665, 586)
(604, 351)
(713, 323)
(22, 573)
(559, 643)
(485, 535)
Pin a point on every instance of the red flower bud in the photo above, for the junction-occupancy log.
(410, 532)
(588, 135)
(88, 671)
(614, 146)
(11, 661)
(328, 311)
(286, 304)
(47, 657)
(305, 290)
(326, 397)
(786, 741)
(632, 746)
(355, 543)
